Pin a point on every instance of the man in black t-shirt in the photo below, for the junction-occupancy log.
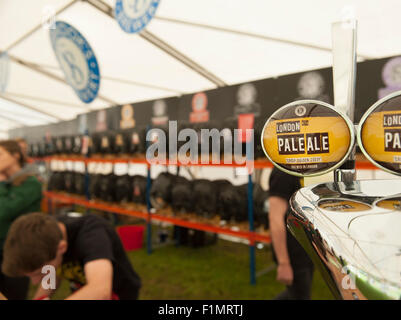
(85, 250)
(295, 269)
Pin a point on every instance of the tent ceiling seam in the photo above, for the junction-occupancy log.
(50, 75)
(252, 35)
(31, 116)
(30, 107)
(165, 47)
(29, 97)
(37, 27)
(153, 39)
(12, 120)
(131, 82)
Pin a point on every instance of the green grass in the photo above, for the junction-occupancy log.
(219, 271)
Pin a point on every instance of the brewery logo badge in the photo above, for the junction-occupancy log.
(119, 140)
(246, 98)
(391, 75)
(127, 117)
(199, 108)
(342, 205)
(101, 121)
(379, 133)
(134, 15)
(309, 145)
(300, 110)
(311, 85)
(104, 142)
(135, 138)
(159, 112)
(77, 60)
(4, 71)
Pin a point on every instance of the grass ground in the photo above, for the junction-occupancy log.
(219, 271)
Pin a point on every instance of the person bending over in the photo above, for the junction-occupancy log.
(20, 193)
(85, 250)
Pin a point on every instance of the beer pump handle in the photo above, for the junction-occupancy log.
(344, 78)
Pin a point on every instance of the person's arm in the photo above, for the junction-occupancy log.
(277, 210)
(99, 281)
(17, 198)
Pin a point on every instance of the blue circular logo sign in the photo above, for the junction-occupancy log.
(4, 70)
(77, 60)
(134, 15)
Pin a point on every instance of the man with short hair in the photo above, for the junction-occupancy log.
(85, 250)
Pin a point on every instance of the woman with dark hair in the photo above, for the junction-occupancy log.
(20, 193)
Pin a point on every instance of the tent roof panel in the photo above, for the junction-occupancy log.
(127, 61)
(61, 112)
(127, 56)
(236, 58)
(18, 17)
(28, 82)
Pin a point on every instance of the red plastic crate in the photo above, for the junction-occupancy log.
(131, 236)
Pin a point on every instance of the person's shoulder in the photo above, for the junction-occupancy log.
(32, 182)
(32, 179)
(82, 224)
(91, 221)
(26, 182)
(74, 217)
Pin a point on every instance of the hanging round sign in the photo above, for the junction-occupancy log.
(77, 60)
(379, 133)
(134, 15)
(4, 70)
(307, 138)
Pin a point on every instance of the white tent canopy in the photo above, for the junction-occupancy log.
(189, 46)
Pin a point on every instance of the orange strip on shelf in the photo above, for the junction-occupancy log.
(251, 236)
(257, 164)
(94, 205)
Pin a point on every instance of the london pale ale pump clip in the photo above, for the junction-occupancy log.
(308, 138)
(379, 133)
